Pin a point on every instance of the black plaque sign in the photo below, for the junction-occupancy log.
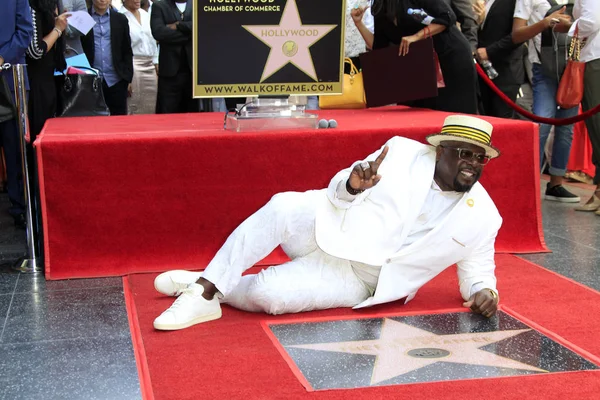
(268, 47)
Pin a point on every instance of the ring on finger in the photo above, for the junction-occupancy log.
(365, 165)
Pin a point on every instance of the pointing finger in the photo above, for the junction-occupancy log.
(380, 159)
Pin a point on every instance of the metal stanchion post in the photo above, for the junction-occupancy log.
(31, 263)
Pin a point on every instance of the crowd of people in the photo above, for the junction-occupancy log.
(143, 51)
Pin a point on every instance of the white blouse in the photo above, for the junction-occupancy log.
(142, 41)
(354, 44)
(587, 18)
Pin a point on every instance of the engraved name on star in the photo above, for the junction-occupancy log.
(393, 349)
(289, 41)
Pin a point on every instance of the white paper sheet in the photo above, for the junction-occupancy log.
(82, 21)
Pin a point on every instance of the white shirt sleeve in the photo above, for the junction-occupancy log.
(589, 20)
(523, 9)
(342, 193)
(476, 272)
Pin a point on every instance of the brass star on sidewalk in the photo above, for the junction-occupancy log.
(402, 348)
(289, 41)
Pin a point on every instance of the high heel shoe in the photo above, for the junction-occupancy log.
(593, 206)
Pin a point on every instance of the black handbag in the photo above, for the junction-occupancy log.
(80, 95)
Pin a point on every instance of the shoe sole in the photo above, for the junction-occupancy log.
(587, 209)
(199, 320)
(563, 199)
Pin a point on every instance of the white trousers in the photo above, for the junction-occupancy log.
(312, 280)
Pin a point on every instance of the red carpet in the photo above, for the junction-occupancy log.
(233, 358)
(148, 193)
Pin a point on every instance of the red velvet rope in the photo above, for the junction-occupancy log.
(527, 114)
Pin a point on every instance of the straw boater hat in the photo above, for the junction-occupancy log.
(463, 128)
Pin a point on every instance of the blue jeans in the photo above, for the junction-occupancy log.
(312, 103)
(544, 105)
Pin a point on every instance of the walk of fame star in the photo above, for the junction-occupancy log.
(289, 41)
(402, 348)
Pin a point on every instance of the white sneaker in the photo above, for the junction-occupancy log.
(189, 309)
(173, 282)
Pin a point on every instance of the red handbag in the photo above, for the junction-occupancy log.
(570, 88)
(440, 75)
(438, 68)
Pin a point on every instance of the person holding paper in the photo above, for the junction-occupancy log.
(45, 54)
(145, 60)
(108, 48)
(72, 35)
(394, 25)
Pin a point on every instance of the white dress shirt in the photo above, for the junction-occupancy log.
(587, 18)
(436, 207)
(533, 11)
(142, 42)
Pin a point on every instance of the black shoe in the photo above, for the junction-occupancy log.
(20, 221)
(559, 193)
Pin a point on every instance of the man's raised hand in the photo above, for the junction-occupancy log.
(364, 175)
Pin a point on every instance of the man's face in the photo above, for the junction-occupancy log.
(101, 5)
(458, 170)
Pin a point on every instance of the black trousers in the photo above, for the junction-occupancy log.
(175, 94)
(591, 98)
(10, 140)
(116, 97)
(492, 104)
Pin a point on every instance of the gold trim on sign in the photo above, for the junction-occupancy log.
(201, 91)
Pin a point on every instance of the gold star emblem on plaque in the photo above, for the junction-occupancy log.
(289, 41)
(402, 348)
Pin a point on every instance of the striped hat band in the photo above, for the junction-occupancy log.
(467, 132)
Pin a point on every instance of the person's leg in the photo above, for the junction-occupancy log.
(218, 104)
(287, 219)
(169, 95)
(591, 98)
(561, 147)
(316, 281)
(312, 103)
(116, 97)
(9, 134)
(544, 105)
(485, 105)
(499, 108)
(188, 103)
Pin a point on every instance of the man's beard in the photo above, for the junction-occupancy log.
(461, 188)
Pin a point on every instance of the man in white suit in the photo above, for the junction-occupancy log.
(382, 229)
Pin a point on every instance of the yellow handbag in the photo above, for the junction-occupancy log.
(353, 92)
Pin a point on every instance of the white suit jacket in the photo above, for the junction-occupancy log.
(372, 228)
